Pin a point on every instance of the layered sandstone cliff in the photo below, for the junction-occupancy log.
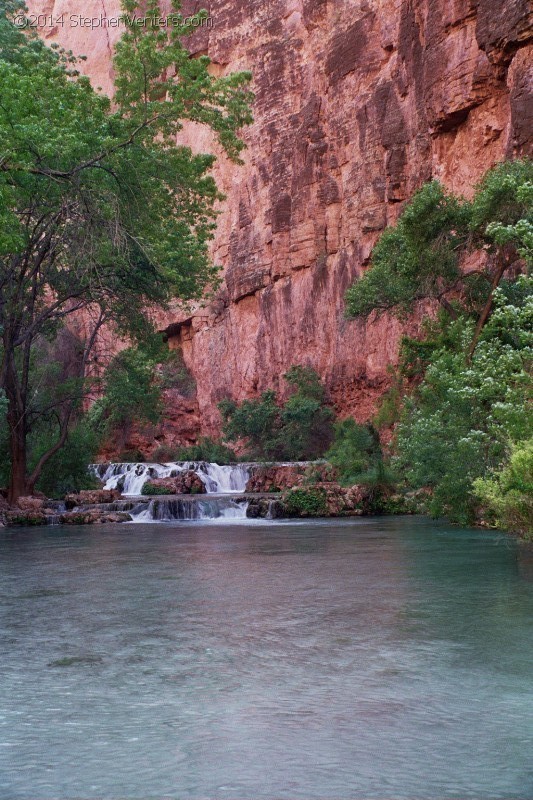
(358, 102)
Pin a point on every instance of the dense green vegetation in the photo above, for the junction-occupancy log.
(301, 428)
(463, 426)
(356, 453)
(101, 215)
(508, 494)
(308, 502)
(459, 423)
(149, 490)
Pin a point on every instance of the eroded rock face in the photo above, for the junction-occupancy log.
(358, 102)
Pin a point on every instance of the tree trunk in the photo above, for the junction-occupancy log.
(17, 427)
(18, 485)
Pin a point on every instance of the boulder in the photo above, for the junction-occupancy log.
(157, 486)
(275, 478)
(264, 508)
(30, 503)
(26, 518)
(189, 482)
(186, 482)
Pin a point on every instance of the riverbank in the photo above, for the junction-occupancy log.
(145, 492)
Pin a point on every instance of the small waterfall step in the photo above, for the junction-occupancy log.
(166, 509)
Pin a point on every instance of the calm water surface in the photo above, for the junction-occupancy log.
(375, 658)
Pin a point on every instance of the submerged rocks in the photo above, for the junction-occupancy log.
(94, 517)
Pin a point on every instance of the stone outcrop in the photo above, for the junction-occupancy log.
(186, 482)
(358, 102)
(274, 478)
(90, 497)
(277, 477)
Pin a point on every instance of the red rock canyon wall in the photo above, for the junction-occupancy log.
(358, 102)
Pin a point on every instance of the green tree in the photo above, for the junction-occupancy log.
(257, 423)
(420, 257)
(101, 213)
(456, 426)
(306, 421)
(207, 449)
(131, 395)
(299, 429)
(356, 452)
(66, 471)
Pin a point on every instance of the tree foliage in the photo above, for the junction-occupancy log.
(415, 259)
(207, 449)
(131, 394)
(101, 212)
(468, 377)
(507, 494)
(299, 429)
(456, 426)
(420, 257)
(355, 452)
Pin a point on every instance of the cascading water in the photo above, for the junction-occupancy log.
(130, 479)
(166, 510)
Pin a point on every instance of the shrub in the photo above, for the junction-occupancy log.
(164, 454)
(307, 502)
(255, 422)
(131, 456)
(319, 473)
(207, 449)
(149, 490)
(508, 494)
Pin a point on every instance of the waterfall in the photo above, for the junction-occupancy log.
(130, 478)
(223, 480)
(166, 510)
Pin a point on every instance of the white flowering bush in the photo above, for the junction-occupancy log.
(461, 422)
